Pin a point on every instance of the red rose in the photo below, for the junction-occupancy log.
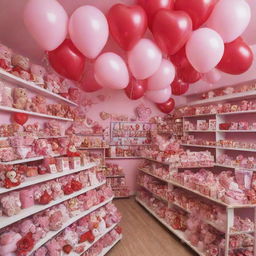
(25, 244)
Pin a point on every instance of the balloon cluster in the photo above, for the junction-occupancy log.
(182, 53)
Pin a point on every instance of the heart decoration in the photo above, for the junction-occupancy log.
(167, 107)
(127, 24)
(171, 30)
(20, 118)
(105, 115)
(143, 112)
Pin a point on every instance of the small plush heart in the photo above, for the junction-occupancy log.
(45, 198)
(67, 248)
(127, 24)
(20, 118)
(171, 30)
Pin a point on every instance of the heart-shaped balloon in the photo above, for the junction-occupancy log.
(180, 59)
(179, 87)
(171, 30)
(127, 24)
(135, 89)
(167, 107)
(67, 60)
(198, 10)
(237, 58)
(188, 74)
(153, 6)
(20, 118)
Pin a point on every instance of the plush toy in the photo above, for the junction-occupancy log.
(53, 247)
(38, 72)
(42, 251)
(39, 104)
(27, 226)
(143, 112)
(5, 58)
(53, 83)
(74, 94)
(11, 204)
(8, 243)
(21, 67)
(41, 222)
(20, 98)
(55, 219)
(72, 151)
(12, 179)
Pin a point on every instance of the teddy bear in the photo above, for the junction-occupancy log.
(5, 58)
(11, 204)
(20, 98)
(21, 67)
(39, 104)
(8, 243)
(5, 95)
(38, 73)
(53, 83)
(12, 179)
(41, 222)
(27, 226)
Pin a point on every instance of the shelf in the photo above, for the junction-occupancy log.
(84, 135)
(199, 146)
(107, 249)
(234, 96)
(16, 110)
(95, 241)
(208, 114)
(238, 112)
(38, 137)
(42, 178)
(178, 233)
(26, 160)
(123, 157)
(115, 176)
(151, 174)
(32, 87)
(130, 145)
(6, 221)
(235, 130)
(153, 160)
(52, 234)
(85, 148)
(233, 167)
(200, 131)
(121, 197)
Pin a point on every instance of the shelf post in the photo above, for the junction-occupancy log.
(230, 223)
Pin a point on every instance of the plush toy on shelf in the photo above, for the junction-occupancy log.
(21, 67)
(12, 179)
(38, 72)
(20, 98)
(5, 58)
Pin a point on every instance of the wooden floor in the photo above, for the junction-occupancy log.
(143, 235)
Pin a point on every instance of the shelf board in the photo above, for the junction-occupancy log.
(32, 87)
(85, 148)
(153, 160)
(153, 175)
(6, 221)
(178, 233)
(208, 114)
(200, 131)
(233, 167)
(124, 157)
(115, 176)
(235, 130)
(42, 178)
(121, 197)
(16, 110)
(107, 249)
(52, 234)
(234, 96)
(26, 160)
(199, 146)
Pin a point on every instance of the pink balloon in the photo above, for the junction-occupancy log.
(204, 49)
(230, 19)
(212, 76)
(159, 96)
(144, 59)
(47, 22)
(110, 71)
(88, 29)
(163, 77)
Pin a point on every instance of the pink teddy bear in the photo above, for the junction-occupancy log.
(11, 204)
(27, 226)
(5, 58)
(38, 72)
(53, 83)
(8, 243)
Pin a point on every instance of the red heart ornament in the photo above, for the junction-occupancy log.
(127, 24)
(136, 89)
(237, 58)
(198, 10)
(171, 30)
(67, 60)
(167, 107)
(20, 118)
(153, 6)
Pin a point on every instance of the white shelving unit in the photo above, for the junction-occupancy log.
(16, 110)
(52, 234)
(6, 221)
(50, 176)
(32, 87)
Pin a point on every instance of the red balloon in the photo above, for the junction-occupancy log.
(171, 30)
(167, 107)
(136, 89)
(20, 118)
(198, 10)
(67, 60)
(188, 74)
(153, 6)
(88, 82)
(127, 24)
(180, 59)
(237, 58)
(179, 87)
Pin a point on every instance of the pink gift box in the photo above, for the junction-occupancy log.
(75, 162)
(62, 164)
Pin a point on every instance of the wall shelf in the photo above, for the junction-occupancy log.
(16, 110)
(32, 87)
(107, 249)
(50, 176)
(52, 234)
(6, 221)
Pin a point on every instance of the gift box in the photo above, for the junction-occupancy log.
(75, 162)
(62, 164)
